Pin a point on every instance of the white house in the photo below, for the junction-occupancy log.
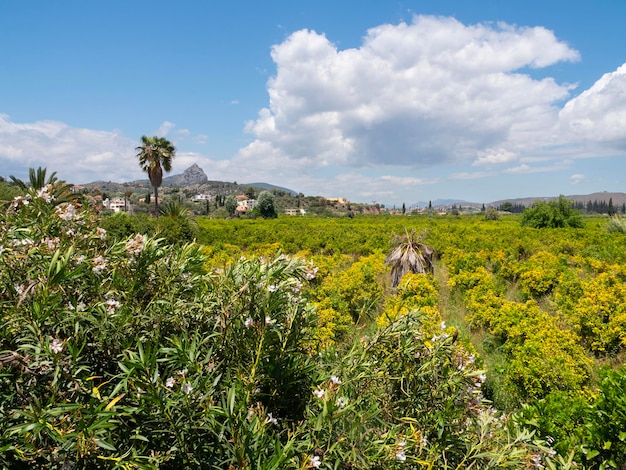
(299, 211)
(244, 204)
(202, 197)
(117, 204)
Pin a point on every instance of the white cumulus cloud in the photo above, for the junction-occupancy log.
(578, 178)
(78, 155)
(418, 94)
(597, 117)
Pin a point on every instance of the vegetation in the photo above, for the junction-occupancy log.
(57, 191)
(265, 204)
(282, 342)
(130, 353)
(155, 154)
(617, 223)
(409, 255)
(552, 214)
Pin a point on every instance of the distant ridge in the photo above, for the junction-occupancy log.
(196, 180)
(442, 202)
(269, 187)
(193, 178)
(617, 198)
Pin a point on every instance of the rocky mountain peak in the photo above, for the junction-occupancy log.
(192, 175)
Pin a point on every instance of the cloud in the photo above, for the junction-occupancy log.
(470, 176)
(597, 116)
(408, 181)
(79, 155)
(496, 157)
(417, 104)
(419, 94)
(524, 168)
(165, 128)
(575, 179)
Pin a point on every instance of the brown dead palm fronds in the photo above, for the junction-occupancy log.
(409, 254)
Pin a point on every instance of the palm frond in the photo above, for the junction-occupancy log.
(409, 255)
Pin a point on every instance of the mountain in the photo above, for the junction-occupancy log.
(269, 187)
(443, 202)
(617, 198)
(193, 179)
(192, 175)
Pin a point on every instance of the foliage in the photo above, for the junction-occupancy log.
(415, 292)
(599, 314)
(155, 154)
(616, 224)
(265, 204)
(176, 226)
(552, 214)
(9, 191)
(591, 429)
(230, 204)
(538, 275)
(409, 255)
(351, 296)
(542, 356)
(492, 214)
(129, 353)
(51, 188)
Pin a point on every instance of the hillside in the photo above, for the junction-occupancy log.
(194, 181)
(618, 199)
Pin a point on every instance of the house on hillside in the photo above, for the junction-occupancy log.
(299, 211)
(202, 197)
(117, 204)
(244, 204)
(338, 200)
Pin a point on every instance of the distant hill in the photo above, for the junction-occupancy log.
(193, 178)
(192, 175)
(442, 203)
(617, 198)
(270, 187)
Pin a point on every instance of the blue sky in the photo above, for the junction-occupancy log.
(394, 102)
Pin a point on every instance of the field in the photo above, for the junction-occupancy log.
(281, 343)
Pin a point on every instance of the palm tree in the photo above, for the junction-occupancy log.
(37, 181)
(127, 194)
(155, 155)
(409, 254)
(176, 210)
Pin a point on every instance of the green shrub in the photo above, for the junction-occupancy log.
(129, 353)
(552, 214)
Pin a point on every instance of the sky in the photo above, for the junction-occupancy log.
(380, 101)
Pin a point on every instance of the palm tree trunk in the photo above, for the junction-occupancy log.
(156, 201)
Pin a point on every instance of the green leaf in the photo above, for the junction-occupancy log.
(592, 453)
(105, 445)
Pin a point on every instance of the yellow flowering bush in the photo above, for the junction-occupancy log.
(415, 292)
(599, 315)
(538, 275)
